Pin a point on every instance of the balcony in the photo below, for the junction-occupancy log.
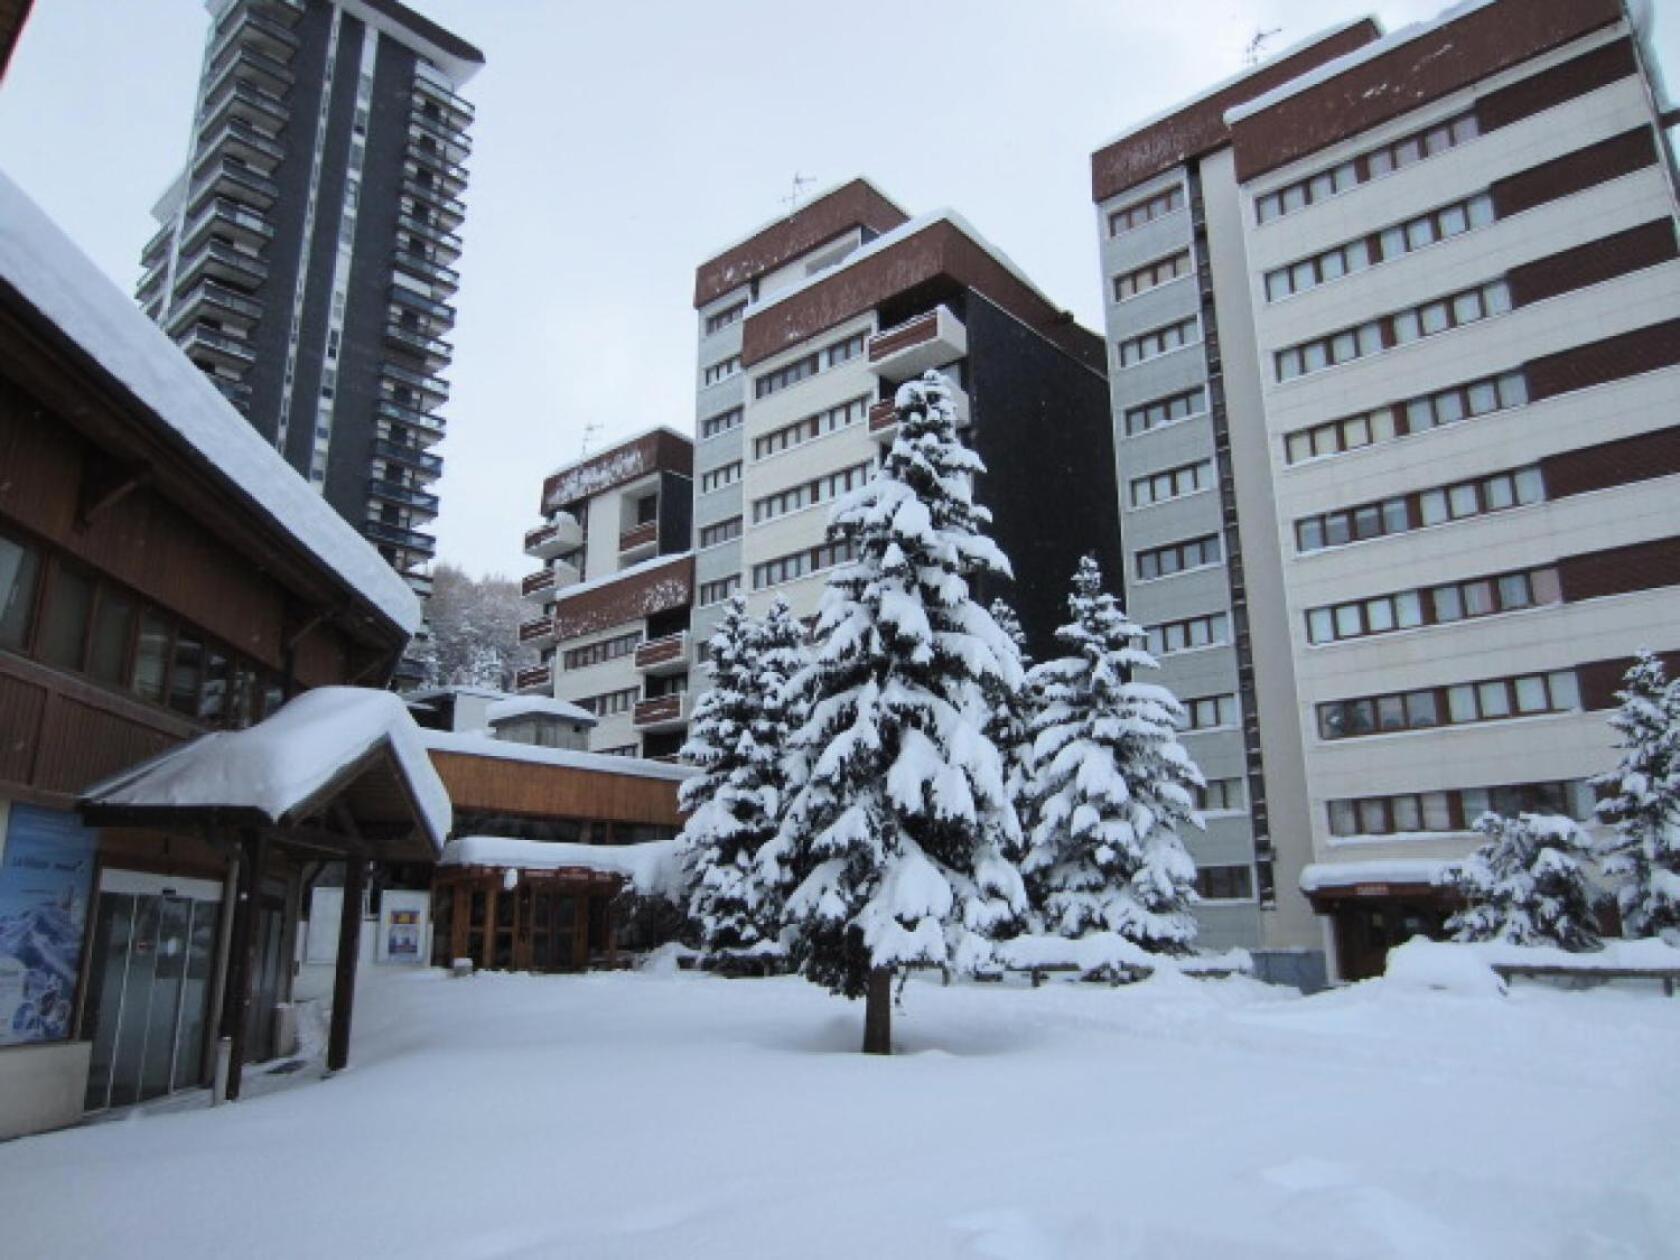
(427, 90)
(662, 713)
(556, 538)
(436, 353)
(539, 632)
(639, 541)
(536, 678)
(232, 178)
(246, 101)
(402, 295)
(545, 583)
(205, 343)
(451, 176)
(250, 26)
(428, 425)
(458, 146)
(419, 581)
(236, 392)
(239, 139)
(410, 456)
(929, 340)
(883, 416)
(426, 269)
(407, 496)
(443, 241)
(222, 261)
(429, 387)
(397, 536)
(668, 655)
(240, 61)
(453, 209)
(151, 280)
(239, 222)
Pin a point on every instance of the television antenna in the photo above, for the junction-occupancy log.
(591, 431)
(1257, 46)
(800, 184)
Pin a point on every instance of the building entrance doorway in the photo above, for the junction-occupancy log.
(1367, 930)
(153, 964)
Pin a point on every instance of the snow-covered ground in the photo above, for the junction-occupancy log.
(665, 1115)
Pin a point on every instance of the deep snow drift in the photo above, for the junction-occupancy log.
(666, 1115)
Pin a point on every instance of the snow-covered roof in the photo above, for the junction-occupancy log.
(285, 761)
(1321, 875)
(607, 579)
(1341, 65)
(524, 706)
(439, 693)
(49, 273)
(481, 744)
(811, 199)
(634, 436)
(887, 240)
(653, 867)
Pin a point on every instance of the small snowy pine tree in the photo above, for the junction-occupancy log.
(1525, 884)
(1111, 785)
(892, 841)
(736, 738)
(1009, 717)
(1641, 800)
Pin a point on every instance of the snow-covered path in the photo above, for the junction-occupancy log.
(693, 1117)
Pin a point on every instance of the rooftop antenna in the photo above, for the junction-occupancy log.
(800, 184)
(591, 431)
(1257, 46)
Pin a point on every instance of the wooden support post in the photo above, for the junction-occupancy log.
(344, 975)
(236, 1004)
(877, 1012)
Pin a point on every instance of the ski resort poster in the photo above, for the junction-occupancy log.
(46, 878)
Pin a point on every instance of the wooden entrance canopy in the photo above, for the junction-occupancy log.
(339, 773)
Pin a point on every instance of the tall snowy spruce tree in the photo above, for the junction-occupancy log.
(1010, 709)
(1640, 798)
(737, 738)
(1111, 785)
(1525, 884)
(896, 842)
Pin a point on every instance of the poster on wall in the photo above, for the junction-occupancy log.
(402, 936)
(46, 879)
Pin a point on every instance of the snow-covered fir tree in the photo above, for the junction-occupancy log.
(1009, 717)
(1640, 798)
(1111, 787)
(895, 843)
(737, 738)
(1525, 885)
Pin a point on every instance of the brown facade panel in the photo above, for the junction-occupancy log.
(1439, 62)
(1575, 172)
(1622, 463)
(81, 744)
(1643, 566)
(854, 205)
(21, 705)
(1200, 127)
(659, 451)
(1647, 245)
(641, 594)
(506, 786)
(1599, 362)
(1574, 78)
(1601, 680)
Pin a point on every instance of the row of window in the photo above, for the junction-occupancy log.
(1207, 712)
(817, 490)
(1385, 246)
(1221, 796)
(1430, 411)
(1152, 275)
(1456, 810)
(808, 366)
(1367, 166)
(1387, 331)
(611, 702)
(1158, 341)
(801, 564)
(722, 370)
(722, 532)
(65, 616)
(1187, 635)
(801, 431)
(1164, 411)
(719, 477)
(605, 650)
(1407, 512)
(1225, 883)
(1174, 483)
(716, 592)
(1195, 553)
(724, 421)
(1437, 605)
(724, 318)
(1128, 218)
(1521, 696)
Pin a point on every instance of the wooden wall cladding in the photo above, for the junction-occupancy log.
(1575, 172)
(1621, 254)
(1601, 680)
(640, 595)
(659, 451)
(1563, 82)
(1599, 362)
(1621, 463)
(1620, 570)
(497, 785)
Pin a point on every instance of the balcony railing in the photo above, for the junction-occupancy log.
(419, 265)
(882, 415)
(926, 341)
(431, 232)
(200, 337)
(232, 217)
(554, 538)
(396, 492)
(404, 296)
(434, 350)
(456, 137)
(415, 380)
(424, 87)
(427, 421)
(228, 175)
(251, 101)
(437, 161)
(664, 655)
(222, 260)
(538, 630)
(239, 137)
(246, 61)
(440, 198)
(638, 536)
(534, 678)
(661, 712)
(397, 536)
(411, 456)
(538, 583)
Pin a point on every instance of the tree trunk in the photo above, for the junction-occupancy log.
(877, 1012)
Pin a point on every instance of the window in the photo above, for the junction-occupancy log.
(1456, 810)
(1161, 562)
(1416, 415)
(722, 532)
(605, 650)
(1403, 513)
(611, 702)
(1225, 883)
(152, 650)
(843, 351)
(113, 627)
(724, 421)
(1210, 712)
(1398, 329)
(724, 318)
(801, 431)
(801, 564)
(717, 478)
(1164, 411)
(1556, 692)
(782, 377)
(1127, 218)
(1373, 164)
(722, 370)
(820, 490)
(64, 623)
(1159, 341)
(718, 591)
(1226, 796)
(1189, 635)
(1385, 246)
(1175, 483)
(20, 567)
(1454, 602)
(1152, 275)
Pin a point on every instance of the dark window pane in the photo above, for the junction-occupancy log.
(112, 625)
(64, 628)
(212, 700)
(151, 657)
(184, 678)
(19, 569)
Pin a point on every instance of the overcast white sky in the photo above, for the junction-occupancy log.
(618, 145)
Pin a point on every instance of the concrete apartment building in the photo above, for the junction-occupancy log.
(305, 256)
(1435, 291)
(615, 591)
(806, 329)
